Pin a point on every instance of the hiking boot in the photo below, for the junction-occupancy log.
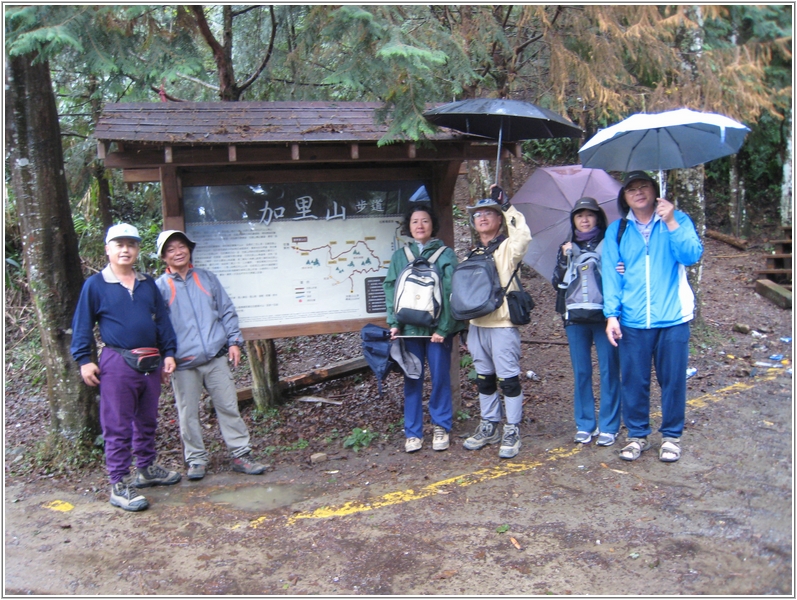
(510, 442)
(486, 433)
(413, 444)
(126, 497)
(245, 464)
(196, 471)
(440, 439)
(155, 475)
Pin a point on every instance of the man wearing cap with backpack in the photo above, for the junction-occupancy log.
(493, 340)
(134, 325)
(206, 325)
(648, 309)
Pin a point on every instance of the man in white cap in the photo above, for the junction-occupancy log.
(134, 325)
(206, 324)
(493, 340)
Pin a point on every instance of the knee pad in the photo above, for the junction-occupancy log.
(486, 384)
(511, 386)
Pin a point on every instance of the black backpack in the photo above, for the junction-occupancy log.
(475, 286)
(418, 297)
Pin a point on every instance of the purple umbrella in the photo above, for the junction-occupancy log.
(546, 200)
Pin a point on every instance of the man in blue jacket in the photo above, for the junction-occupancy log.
(648, 309)
(131, 315)
(206, 325)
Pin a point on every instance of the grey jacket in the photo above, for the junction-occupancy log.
(202, 314)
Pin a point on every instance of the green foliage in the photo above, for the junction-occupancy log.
(465, 360)
(502, 529)
(462, 415)
(552, 151)
(359, 438)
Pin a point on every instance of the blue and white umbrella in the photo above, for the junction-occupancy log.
(676, 139)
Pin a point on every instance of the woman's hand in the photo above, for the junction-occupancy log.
(566, 248)
(437, 338)
(394, 331)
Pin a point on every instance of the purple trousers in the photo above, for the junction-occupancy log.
(128, 414)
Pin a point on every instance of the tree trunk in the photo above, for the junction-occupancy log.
(733, 197)
(266, 389)
(689, 196)
(786, 190)
(103, 187)
(49, 241)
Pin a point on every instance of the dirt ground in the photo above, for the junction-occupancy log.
(558, 519)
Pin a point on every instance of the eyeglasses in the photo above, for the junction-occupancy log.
(480, 213)
(641, 186)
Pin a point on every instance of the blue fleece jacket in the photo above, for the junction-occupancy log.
(654, 291)
(137, 320)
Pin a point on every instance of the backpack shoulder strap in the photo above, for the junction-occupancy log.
(408, 253)
(437, 254)
(621, 229)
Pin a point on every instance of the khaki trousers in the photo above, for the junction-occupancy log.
(216, 377)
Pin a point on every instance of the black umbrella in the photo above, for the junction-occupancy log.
(505, 120)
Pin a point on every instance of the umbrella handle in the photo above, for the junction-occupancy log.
(662, 184)
(498, 158)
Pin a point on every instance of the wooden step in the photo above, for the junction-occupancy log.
(774, 272)
(774, 292)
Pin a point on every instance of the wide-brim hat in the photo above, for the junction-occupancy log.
(482, 204)
(165, 236)
(122, 230)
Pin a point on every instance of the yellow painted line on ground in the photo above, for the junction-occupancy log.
(393, 498)
(501, 470)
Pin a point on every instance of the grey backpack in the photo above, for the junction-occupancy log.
(583, 286)
(475, 286)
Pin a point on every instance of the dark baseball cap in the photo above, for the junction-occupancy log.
(636, 175)
(585, 203)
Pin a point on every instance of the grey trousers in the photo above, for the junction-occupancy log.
(217, 378)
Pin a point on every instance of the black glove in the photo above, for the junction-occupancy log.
(500, 197)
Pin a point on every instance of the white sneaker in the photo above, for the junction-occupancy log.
(413, 444)
(440, 439)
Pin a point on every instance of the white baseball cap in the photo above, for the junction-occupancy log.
(165, 236)
(123, 230)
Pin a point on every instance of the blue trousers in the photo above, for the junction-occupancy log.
(668, 349)
(581, 336)
(438, 355)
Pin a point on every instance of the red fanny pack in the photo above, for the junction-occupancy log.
(143, 360)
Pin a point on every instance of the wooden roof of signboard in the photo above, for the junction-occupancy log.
(200, 134)
(202, 123)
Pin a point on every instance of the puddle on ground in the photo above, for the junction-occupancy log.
(262, 498)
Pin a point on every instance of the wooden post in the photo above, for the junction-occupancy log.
(265, 376)
(171, 200)
(445, 179)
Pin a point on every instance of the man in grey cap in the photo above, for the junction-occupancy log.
(206, 325)
(493, 340)
(648, 309)
(134, 325)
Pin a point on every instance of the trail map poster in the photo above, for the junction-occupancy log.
(300, 252)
